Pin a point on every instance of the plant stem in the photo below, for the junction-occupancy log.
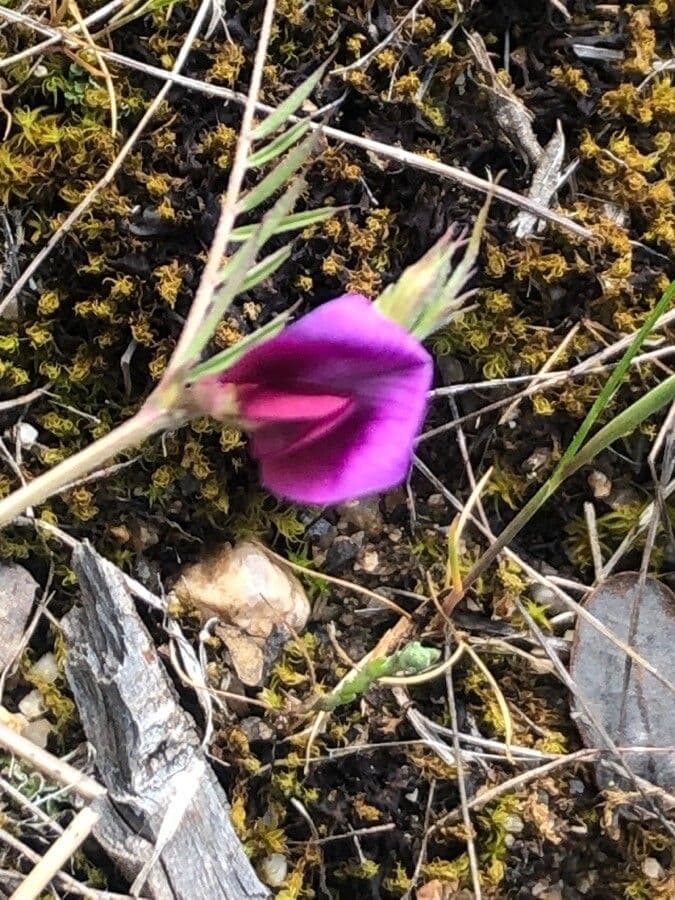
(191, 340)
(147, 421)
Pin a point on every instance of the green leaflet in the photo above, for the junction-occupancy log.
(271, 183)
(239, 267)
(286, 109)
(230, 355)
(294, 222)
(278, 146)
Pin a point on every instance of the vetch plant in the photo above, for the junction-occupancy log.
(334, 401)
(332, 404)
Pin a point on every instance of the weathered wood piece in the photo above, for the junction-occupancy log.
(164, 804)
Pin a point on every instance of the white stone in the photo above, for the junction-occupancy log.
(46, 668)
(246, 588)
(273, 869)
(32, 706)
(652, 868)
(38, 732)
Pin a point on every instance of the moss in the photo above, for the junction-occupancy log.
(361, 871)
(60, 707)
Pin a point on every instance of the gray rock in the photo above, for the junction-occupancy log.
(341, 553)
(17, 594)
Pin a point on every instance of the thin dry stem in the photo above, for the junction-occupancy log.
(594, 540)
(148, 421)
(461, 784)
(340, 582)
(49, 765)
(548, 365)
(386, 40)
(406, 157)
(22, 401)
(117, 163)
(59, 35)
(517, 781)
(584, 368)
(550, 379)
(58, 854)
(32, 808)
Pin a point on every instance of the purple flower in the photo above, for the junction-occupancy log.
(333, 402)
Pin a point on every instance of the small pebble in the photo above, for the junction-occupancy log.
(600, 484)
(46, 668)
(246, 589)
(38, 732)
(256, 729)
(32, 706)
(370, 561)
(320, 532)
(536, 461)
(514, 824)
(543, 594)
(364, 515)
(341, 552)
(652, 868)
(395, 535)
(273, 869)
(26, 434)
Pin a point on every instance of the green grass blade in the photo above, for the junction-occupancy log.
(278, 146)
(615, 379)
(569, 462)
(286, 109)
(294, 222)
(271, 183)
(624, 423)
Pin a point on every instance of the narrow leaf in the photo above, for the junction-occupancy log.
(614, 381)
(239, 266)
(624, 423)
(230, 355)
(271, 183)
(286, 109)
(294, 222)
(279, 145)
(266, 267)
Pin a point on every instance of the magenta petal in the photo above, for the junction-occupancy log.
(334, 402)
(364, 456)
(262, 403)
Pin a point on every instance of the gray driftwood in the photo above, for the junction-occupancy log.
(164, 805)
